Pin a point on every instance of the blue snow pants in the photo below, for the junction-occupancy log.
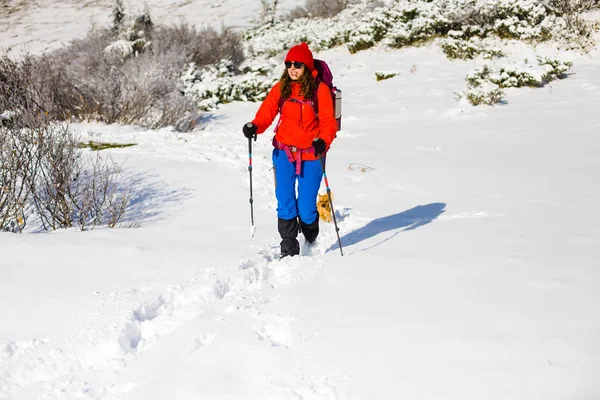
(309, 181)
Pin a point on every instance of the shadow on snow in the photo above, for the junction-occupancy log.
(152, 199)
(409, 220)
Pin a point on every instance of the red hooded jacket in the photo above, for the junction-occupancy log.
(299, 125)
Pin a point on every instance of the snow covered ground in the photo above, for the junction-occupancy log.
(42, 25)
(470, 266)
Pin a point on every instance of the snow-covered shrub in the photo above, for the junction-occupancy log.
(213, 85)
(352, 22)
(511, 75)
(380, 76)
(41, 169)
(505, 76)
(468, 49)
(22, 109)
(118, 16)
(19, 108)
(203, 47)
(468, 28)
(270, 40)
(136, 35)
(105, 77)
(484, 93)
(564, 7)
(297, 13)
(317, 9)
(143, 90)
(44, 174)
(484, 85)
(571, 23)
(399, 23)
(414, 24)
(521, 19)
(366, 32)
(132, 28)
(25, 85)
(554, 69)
(119, 50)
(325, 8)
(15, 168)
(6, 117)
(69, 189)
(268, 11)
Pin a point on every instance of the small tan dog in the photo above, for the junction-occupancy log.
(324, 207)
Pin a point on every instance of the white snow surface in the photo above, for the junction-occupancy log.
(470, 239)
(41, 25)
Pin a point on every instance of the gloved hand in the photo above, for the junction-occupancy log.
(249, 130)
(319, 146)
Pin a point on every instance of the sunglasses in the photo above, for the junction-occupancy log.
(296, 64)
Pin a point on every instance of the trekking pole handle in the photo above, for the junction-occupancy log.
(249, 125)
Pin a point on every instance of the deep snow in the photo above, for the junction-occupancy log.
(470, 267)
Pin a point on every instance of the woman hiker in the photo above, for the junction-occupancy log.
(301, 137)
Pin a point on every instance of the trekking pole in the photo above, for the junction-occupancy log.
(337, 230)
(252, 228)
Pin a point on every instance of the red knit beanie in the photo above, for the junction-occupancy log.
(301, 53)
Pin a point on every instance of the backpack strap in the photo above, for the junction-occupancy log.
(313, 100)
(289, 152)
(282, 104)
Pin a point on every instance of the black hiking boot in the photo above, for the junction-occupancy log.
(310, 231)
(288, 229)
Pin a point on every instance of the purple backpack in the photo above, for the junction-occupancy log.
(325, 76)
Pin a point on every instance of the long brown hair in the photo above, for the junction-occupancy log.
(308, 82)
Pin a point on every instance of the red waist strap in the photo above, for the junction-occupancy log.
(290, 150)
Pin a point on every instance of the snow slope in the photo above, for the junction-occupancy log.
(470, 266)
(42, 25)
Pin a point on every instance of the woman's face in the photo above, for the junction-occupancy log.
(295, 69)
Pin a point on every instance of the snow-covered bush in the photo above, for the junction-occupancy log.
(484, 85)
(484, 93)
(131, 30)
(469, 49)
(408, 22)
(45, 175)
(380, 76)
(325, 8)
(22, 108)
(465, 26)
(554, 68)
(571, 12)
(69, 189)
(213, 85)
(523, 19)
(137, 34)
(15, 168)
(108, 76)
(317, 9)
(505, 76)
(27, 85)
(203, 47)
(270, 40)
(566, 7)
(511, 75)
(268, 11)
(137, 73)
(144, 89)
(119, 50)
